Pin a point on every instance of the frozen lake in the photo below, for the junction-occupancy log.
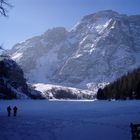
(68, 120)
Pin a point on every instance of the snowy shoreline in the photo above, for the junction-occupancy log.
(70, 100)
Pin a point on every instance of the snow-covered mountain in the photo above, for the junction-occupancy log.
(98, 49)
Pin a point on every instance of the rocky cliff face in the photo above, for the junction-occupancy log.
(100, 48)
(12, 82)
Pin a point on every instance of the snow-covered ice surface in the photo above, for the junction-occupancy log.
(61, 120)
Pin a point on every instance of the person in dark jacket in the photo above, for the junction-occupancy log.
(15, 110)
(9, 111)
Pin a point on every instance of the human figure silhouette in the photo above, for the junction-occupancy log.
(15, 110)
(9, 111)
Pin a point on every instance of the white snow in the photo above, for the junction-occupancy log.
(45, 63)
(45, 90)
(95, 86)
(16, 56)
(77, 55)
(52, 120)
(101, 24)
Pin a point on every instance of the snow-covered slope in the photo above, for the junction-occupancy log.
(98, 49)
(60, 92)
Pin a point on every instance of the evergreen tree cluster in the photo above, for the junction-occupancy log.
(128, 86)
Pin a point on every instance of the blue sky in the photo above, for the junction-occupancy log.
(29, 18)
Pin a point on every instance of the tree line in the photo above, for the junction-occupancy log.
(126, 87)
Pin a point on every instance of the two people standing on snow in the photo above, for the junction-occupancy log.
(9, 111)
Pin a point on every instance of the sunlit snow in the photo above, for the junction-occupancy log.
(17, 56)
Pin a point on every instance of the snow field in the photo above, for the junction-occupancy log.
(63, 120)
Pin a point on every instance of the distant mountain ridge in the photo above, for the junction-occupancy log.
(99, 49)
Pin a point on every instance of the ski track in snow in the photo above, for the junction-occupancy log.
(52, 120)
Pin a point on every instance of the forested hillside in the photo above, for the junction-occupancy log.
(127, 86)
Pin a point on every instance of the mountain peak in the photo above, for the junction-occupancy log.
(56, 34)
(101, 14)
